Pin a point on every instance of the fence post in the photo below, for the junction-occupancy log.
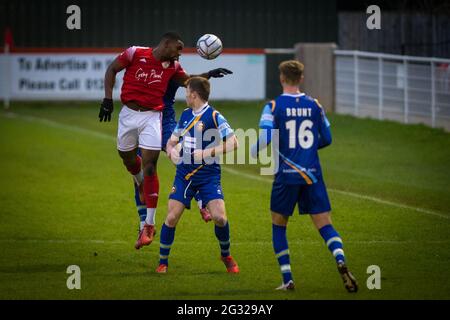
(405, 94)
(433, 96)
(380, 88)
(356, 84)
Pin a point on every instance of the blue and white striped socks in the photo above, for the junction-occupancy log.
(141, 208)
(333, 242)
(165, 243)
(280, 246)
(223, 235)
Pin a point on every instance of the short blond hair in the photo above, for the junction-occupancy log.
(292, 70)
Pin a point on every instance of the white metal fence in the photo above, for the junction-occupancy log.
(394, 87)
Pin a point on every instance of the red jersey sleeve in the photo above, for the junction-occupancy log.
(126, 56)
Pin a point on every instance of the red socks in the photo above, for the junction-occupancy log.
(151, 190)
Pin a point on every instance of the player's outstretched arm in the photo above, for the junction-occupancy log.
(214, 73)
(107, 106)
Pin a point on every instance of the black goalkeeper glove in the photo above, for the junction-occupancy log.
(106, 109)
(219, 72)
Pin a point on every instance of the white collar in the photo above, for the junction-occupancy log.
(203, 109)
(294, 95)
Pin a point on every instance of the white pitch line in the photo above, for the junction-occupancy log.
(350, 194)
(59, 125)
(346, 193)
(390, 203)
(226, 169)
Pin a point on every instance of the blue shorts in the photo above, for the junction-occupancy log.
(311, 199)
(184, 190)
(167, 129)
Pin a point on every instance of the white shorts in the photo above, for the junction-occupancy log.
(139, 129)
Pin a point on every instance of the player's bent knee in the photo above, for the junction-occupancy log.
(171, 220)
(279, 219)
(220, 220)
(128, 157)
(150, 169)
(321, 219)
(174, 213)
(217, 209)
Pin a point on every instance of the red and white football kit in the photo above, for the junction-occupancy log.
(144, 83)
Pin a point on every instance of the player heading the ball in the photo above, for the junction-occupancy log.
(148, 73)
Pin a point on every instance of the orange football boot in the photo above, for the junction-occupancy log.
(230, 264)
(145, 236)
(162, 268)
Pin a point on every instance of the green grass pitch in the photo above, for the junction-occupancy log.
(66, 199)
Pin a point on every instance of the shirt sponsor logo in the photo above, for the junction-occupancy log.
(149, 78)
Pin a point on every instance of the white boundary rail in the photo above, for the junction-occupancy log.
(386, 86)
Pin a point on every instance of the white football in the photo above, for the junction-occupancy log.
(209, 46)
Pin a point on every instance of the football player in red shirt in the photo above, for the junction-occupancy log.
(147, 74)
